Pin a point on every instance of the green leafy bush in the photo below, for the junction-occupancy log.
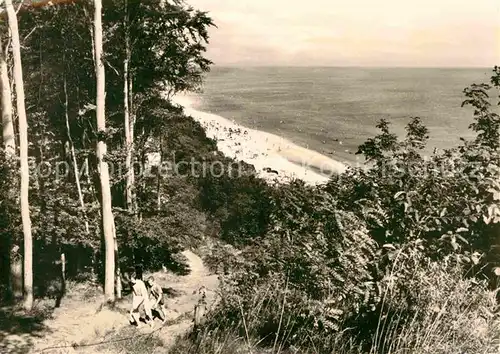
(238, 205)
(314, 264)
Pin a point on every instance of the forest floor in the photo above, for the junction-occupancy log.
(82, 325)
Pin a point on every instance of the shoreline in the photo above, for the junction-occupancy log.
(275, 159)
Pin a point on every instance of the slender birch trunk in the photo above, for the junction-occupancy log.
(132, 139)
(158, 186)
(63, 273)
(126, 113)
(128, 134)
(23, 147)
(101, 150)
(118, 269)
(73, 158)
(9, 142)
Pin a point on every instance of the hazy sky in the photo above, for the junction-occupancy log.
(354, 32)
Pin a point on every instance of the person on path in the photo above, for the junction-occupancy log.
(156, 301)
(139, 297)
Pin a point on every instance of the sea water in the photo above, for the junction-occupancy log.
(334, 110)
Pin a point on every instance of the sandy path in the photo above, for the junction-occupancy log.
(85, 325)
(184, 304)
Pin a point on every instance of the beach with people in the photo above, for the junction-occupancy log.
(274, 158)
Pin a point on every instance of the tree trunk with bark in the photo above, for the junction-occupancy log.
(126, 113)
(73, 158)
(128, 122)
(23, 148)
(159, 177)
(107, 212)
(132, 138)
(118, 268)
(8, 135)
(9, 142)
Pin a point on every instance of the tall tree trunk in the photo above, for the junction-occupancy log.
(9, 142)
(57, 248)
(118, 269)
(126, 113)
(23, 147)
(63, 278)
(158, 186)
(73, 158)
(107, 212)
(132, 138)
(128, 140)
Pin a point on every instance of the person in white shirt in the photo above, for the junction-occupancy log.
(139, 297)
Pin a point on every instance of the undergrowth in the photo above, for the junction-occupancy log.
(434, 309)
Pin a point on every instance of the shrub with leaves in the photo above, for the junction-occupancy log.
(447, 201)
(312, 269)
(238, 203)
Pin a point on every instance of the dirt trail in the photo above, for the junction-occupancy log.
(184, 304)
(78, 327)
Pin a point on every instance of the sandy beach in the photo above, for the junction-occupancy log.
(275, 159)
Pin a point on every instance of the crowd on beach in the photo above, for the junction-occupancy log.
(275, 159)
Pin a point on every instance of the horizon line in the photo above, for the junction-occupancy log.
(351, 66)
